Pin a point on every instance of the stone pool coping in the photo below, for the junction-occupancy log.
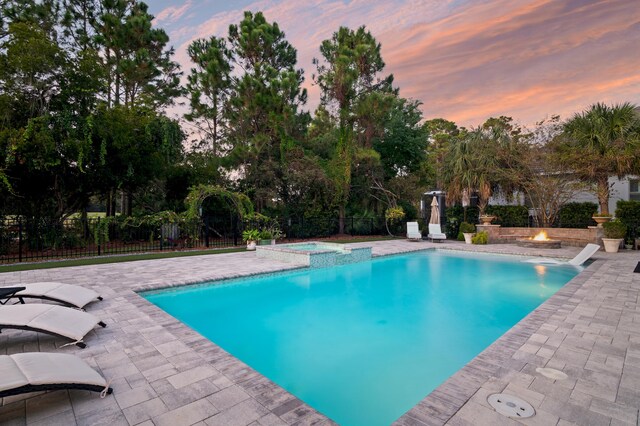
(166, 373)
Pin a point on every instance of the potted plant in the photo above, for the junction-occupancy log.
(467, 229)
(628, 244)
(250, 236)
(614, 233)
(601, 218)
(266, 238)
(276, 234)
(480, 238)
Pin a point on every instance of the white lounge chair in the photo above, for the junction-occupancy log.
(435, 233)
(42, 371)
(413, 231)
(67, 294)
(51, 319)
(586, 253)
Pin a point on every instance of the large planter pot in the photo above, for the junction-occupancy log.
(467, 237)
(611, 245)
(251, 245)
(601, 219)
(487, 219)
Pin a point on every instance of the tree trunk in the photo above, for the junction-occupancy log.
(341, 214)
(129, 196)
(111, 202)
(602, 191)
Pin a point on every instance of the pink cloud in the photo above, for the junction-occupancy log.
(468, 61)
(172, 13)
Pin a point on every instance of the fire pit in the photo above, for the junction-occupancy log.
(540, 240)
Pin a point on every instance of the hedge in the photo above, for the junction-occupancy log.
(577, 215)
(511, 216)
(455, 216)
(628, 212)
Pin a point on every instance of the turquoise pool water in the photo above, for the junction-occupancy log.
(310, 247)
(363, 343)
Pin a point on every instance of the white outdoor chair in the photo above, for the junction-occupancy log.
(435, 233)
(586, 253)
(413, 231)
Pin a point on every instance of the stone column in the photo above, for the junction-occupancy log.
(493, 231)
(597, 232)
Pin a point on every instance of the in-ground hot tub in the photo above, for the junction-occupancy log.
(315, 254)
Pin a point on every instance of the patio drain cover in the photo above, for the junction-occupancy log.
(510, 406)
(552, 373)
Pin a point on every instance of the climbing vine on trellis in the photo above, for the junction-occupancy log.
(198, 194)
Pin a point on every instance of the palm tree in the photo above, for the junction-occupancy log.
(470, 166)
(600, 142)
(483, 159)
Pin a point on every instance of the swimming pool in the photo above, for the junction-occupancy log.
(363, 343)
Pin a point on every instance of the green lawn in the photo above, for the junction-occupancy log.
(112, 259)
(149, 256)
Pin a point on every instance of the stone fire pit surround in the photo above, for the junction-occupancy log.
(547, 244)
(576, 237)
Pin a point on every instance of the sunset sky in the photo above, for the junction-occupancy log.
(466, 60)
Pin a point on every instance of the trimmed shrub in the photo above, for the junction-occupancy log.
(480, 238)
(455, 216)
(577, 215)
(510, 215)
(628, 212)
(467, 228)
(614, 229)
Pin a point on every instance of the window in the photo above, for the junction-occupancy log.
(634, 189)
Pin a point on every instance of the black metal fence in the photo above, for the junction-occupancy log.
(25, 240)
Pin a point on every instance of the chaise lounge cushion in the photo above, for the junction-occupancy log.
(10, 376)
(41, 368)
(67, 293)
(66, 322)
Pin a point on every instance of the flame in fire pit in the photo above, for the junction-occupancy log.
(541, 236)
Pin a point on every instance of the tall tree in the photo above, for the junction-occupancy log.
(209, 88)
(52, 83)
(404, 139)
(349, 79)
(600, 142)
(442, 133)
(139, 67)
(263, 110)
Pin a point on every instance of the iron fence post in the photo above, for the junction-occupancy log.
(19, 240)
(235, 230)
(99, 232)
(205, 222)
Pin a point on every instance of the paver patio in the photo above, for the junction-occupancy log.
(164, 373)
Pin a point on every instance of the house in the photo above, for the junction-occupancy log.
(627, 188)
